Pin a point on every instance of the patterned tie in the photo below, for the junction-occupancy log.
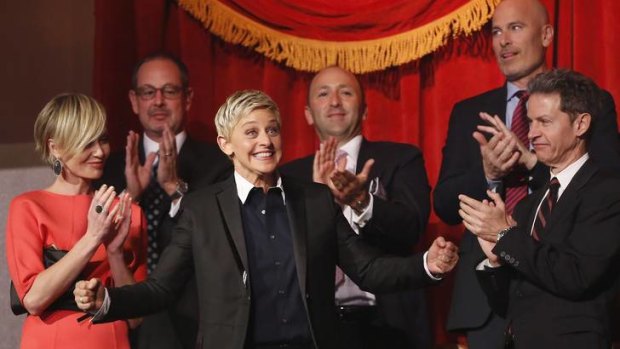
(516, 182)
(545, 208)
(154, 209)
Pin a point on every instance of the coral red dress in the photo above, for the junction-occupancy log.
(41, 219)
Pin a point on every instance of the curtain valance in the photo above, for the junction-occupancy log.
(361, 36)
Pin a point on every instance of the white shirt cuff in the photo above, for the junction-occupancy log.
(366, 215)
(485, 264)
(105, 307)
(428, 272)
(174, 207)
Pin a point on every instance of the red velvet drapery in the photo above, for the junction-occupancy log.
(410, 103)
(344, 20)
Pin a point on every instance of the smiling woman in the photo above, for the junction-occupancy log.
(88, 233)
(248, 127)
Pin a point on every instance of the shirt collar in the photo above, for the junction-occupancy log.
(566, 175)
(352, 147)
(244, 187)
(511, 90)
(150, 146)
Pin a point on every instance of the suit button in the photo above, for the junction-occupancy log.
(507, 257)
(307, 296)
(502, 254)
(512, 260)
(516, 264)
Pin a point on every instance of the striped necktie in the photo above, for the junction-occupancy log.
(545, 208)
(516, 182)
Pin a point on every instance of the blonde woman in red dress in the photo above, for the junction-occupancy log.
(101, 233)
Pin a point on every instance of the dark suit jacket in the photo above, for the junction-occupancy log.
(199, 164)
(462, 173)
(556, 293)
(398, 221)
(209, 239)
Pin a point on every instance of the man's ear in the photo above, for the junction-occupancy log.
(133, 99)
(308, 115)
(547, 35)
(189, 96)
(582, 123)
(225, 146)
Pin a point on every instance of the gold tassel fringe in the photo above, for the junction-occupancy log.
(356, 56)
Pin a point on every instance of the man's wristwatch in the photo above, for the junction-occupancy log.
(180, 190)
(502, 233)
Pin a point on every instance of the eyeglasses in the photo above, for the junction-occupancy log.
(146, 93)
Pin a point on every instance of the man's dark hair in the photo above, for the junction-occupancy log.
(165, 56)
(578, 93)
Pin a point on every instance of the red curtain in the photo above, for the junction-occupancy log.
(410, 103)
(344, 20)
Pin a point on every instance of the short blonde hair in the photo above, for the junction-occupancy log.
(239, 105)
(72, 120)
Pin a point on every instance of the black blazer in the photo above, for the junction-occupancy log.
(398, 220)
(557, 293)
(462, 173)
(199, 164)
(209, 240)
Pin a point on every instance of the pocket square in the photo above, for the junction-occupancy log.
(376, 188)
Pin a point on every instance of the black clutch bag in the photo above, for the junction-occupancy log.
(65, 301)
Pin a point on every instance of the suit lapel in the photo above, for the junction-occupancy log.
(228, 202)
(569, 200)
(296, 210)
(187, 156)
(495, 104)
(141, 154)
(366, 153)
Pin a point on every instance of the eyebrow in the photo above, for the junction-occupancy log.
(339, 86)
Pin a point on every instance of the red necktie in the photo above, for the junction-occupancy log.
(545, 208)
(516, 182)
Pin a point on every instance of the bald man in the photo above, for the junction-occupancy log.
(386, 201)
(521, 34)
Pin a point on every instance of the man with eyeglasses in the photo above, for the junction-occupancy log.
(157, 168)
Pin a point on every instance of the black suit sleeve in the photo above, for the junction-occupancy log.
(162, 287)
(461, 168)
(604, 147)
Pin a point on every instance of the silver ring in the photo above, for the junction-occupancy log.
(168, 154)
(98, 208)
